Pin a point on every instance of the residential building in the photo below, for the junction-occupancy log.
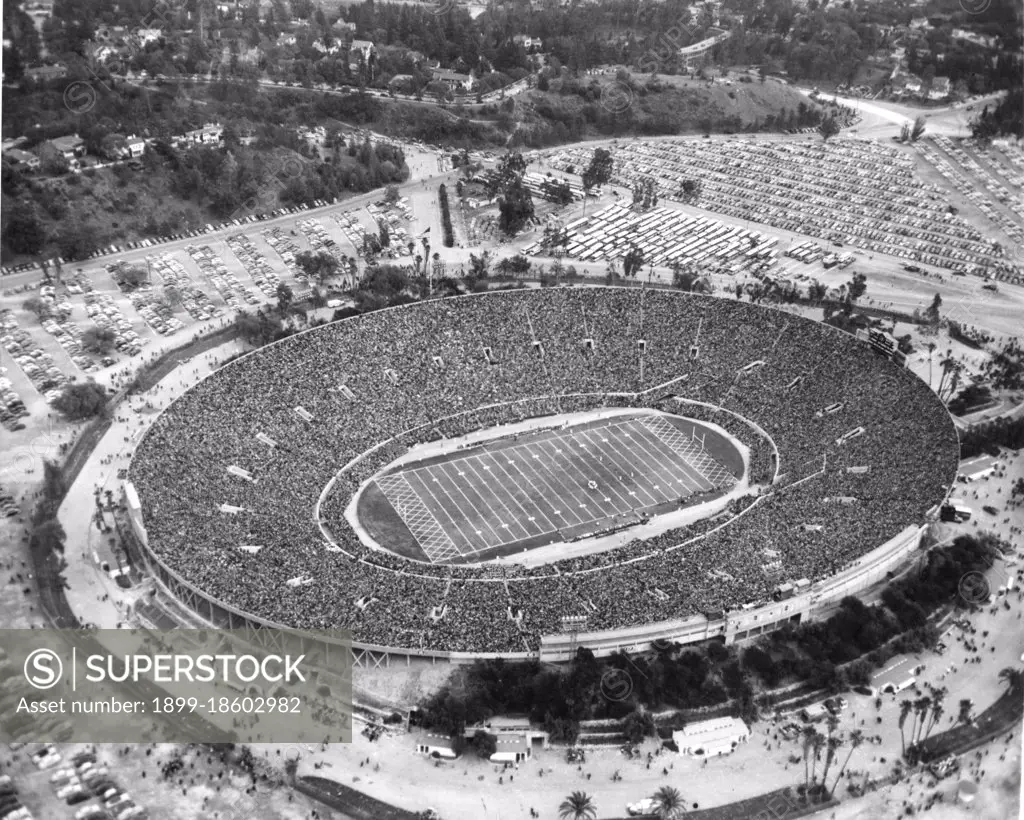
(360, 51)
(209, 134)
(528, 42)
(21, 159)
(136, 146)
(70, 147)
(144, 36)
(940, 89)
(453, 79)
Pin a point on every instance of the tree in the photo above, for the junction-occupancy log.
(918, 130)
(669, 803)
(578, 806)
(81, 400)
(817, 292)
(932, 311)
(830, 755)
(905, 132)
(599, 171)
(856, 739)
(37, 306)
(479, 266)
(99, 339)
(557, 191)
(391, 194)
(828, 127)
(1013, 678)
(319, 266)
(806, 744)
(48, 537)
(24, 232)
(632, 262)
(906, 707)
(284, 297)
(484, 744)
(856, 287)
(817, 743)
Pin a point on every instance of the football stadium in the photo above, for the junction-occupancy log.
(520, 473)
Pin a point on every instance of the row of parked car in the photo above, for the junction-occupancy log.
(11, 807)
(12, 408)
(8, 505)
(87, 779)
(147, 243)
(35, 362)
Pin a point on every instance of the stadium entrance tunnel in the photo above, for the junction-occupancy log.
(549, 488)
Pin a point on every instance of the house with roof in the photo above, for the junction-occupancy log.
(363, 50)
(209, 134)
(710, 738)
(528, 42)
(136, 146)
(46, 73)
(70, 147)
(144, 36)
(940, 89)
(453, 79)
(21, 159)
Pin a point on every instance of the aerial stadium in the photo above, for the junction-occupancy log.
(521, 473)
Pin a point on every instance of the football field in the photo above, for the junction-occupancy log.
(550, 485)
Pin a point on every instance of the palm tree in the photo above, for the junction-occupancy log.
(670, 803)
(856, 739)
(1013, 678)
(905, 708)
(817, 742)
(931, 350)
(833, 723)
(806, 742)
(578, 806)
(921, 707)
(937, 712)
(830, 754)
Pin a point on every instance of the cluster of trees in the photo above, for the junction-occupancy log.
(989, 438)
(448, 235)
(1006, 119)
(79, 401)
(515, 204)
(833, 654)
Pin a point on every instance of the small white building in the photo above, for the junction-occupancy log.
(896, 677)
(710, 738)
(438, 747)
(512, 749)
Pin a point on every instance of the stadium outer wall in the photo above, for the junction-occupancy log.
(816, 601)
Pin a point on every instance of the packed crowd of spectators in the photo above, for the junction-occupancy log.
(353, 395)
